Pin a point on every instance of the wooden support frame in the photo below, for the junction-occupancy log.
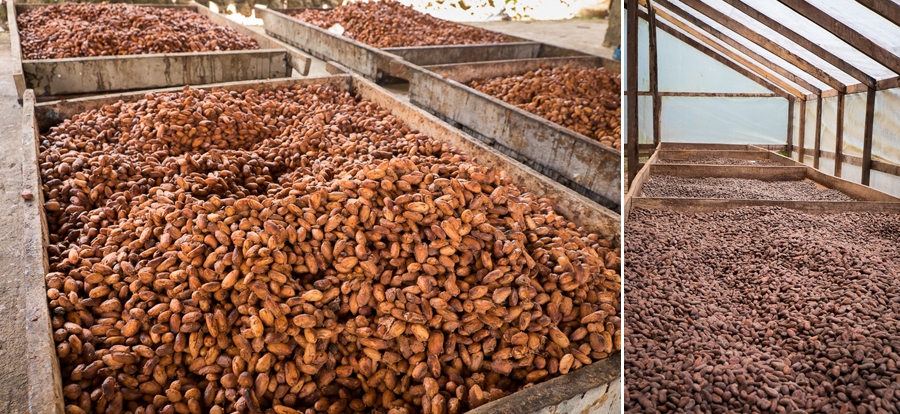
(631, 100)
(839, 137)
(805, 43)
(724, 56)
(817, 149)
(800, 143)
(845, 33)
(790, 130)
(764, 42)
(654, 77)
(690, 18)
(867, 137)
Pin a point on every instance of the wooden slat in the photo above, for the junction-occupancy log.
(764, 42)
(800, 143)
(717, 56)
(839, 136)
(818, 145)
(886, 8)
(845, 33)
(867, 136)
(690, 18)
(731, 55)
(790, 130)
(654, 75)
(631, 57)
(803, 42)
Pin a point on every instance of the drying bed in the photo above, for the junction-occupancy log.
(716, 160)
(98, 60)
(762, 309)
(386, 24)
(580, 162)
(259, 324)
(738, 188)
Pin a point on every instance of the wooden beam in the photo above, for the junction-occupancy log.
(803, 42)
(764, 42)
(845, 33)
(731, 55)
(654, 76)
(867, 136)
(790, 131)
(631, 64)
(800, 143)
(690, 18)
(818, 145)
(702, 48)
(885, 8)
(839, 136)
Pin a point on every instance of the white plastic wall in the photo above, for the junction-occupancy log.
(710, 119)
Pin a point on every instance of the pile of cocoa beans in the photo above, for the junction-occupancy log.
(82, 30)
(388, 23)
(301, 250)
(762, 310)
(586, 101)
(738, 189)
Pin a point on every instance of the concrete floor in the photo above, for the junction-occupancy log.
(13, 376)
(583, 35)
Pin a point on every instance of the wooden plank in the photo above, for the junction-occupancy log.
(818, 143)
(839, 136)
(790, 127)
(467, 72)
(702, 48)
(16, 49)
(690, 18)
(805, 43)
(845, 33)
(764, 173)
(885, 8)
(710, 94)
(705, 205)
(638, 184)
(436, 55)
(867, 136)
(103, 74)
(802, 136)
(704, 146)
(654, 74)
(298, 60)
(631, 100)
(763, 42)
(731, 55)
(577, 161)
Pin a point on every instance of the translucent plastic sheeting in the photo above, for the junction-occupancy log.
(758, 68)
(809, 126)
(854, 123)
(769, 34)
(885, 182)
(795, 125)
(865, 21)
(725, 120)
(852, 173)
(829, 124)
(685, 69)
(826, 165)
(820, 36)
(886, 128)
(645, 120)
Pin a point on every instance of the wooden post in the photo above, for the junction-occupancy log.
(839, 136)
(802, 130)
(867, 136)
(654, 77)
(790, 131)
(631, 64)
(818, 144)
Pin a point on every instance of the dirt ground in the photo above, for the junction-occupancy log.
(582, 35)
(12, 313)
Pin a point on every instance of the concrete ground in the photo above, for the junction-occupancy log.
(13, 377)
(582, 35)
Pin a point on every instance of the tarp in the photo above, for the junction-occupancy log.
(727, 120)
